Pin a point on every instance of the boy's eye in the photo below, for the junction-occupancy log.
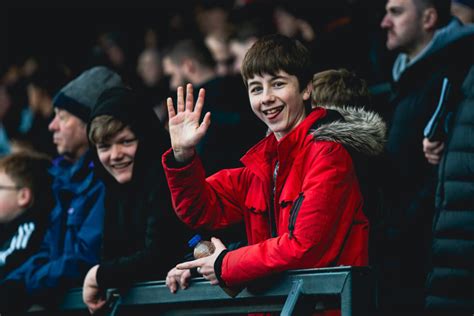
(129, 141)
(278, 84)
(255, 89)
(102, 147)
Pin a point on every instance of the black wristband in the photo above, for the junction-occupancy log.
(218, 266)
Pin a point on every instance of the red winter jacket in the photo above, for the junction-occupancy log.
(317, 205)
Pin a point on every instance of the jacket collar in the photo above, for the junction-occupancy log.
(262, 157)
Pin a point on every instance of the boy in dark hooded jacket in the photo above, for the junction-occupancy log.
(142, 236)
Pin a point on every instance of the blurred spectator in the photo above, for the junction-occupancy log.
(114, 50)
(291, 22)
(220, 50)
(348, 94)
(152, 86)
(42, 85)
(212, 17)
(340, 87)
(426, 36)
(250, 24)
(5, 104)
(72, 241)
(25, 202)
(450, 284)
(463, 10)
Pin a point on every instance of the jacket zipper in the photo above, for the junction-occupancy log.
(294, 212)
(273, 229)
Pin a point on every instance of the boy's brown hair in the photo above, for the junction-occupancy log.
(28, 169)
(103, 128)
(339, 88)
(273, 53)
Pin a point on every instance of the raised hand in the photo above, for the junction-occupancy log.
(185, 129)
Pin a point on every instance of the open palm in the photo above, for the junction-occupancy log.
(185, 129)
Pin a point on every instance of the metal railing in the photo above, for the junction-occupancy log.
(296, 292)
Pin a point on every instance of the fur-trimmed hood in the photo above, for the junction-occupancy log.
(361, 130)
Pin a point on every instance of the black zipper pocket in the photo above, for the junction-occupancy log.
(294, 213)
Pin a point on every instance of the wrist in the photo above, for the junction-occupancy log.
(182, 155)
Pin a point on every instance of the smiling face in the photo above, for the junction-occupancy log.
(117, 154)
(278, 101)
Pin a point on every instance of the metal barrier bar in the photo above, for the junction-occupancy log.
(349, 288)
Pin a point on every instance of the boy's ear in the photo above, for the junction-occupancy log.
(25, 197)
(307, 91)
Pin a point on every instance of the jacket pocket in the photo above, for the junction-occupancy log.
(294, 213)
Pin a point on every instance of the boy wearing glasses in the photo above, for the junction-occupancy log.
(25, 202)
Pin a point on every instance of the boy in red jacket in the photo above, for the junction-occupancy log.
(297, 191)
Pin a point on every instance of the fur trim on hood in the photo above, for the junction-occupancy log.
(362, 130)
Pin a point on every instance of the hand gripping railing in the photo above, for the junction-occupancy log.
(296, 292)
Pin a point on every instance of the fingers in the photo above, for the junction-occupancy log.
(180, 101)
(177, 278)
(189, 97)
(169, 105)
(171, 283)
(430, 147)
(438, 150)
(218, 243)
(184, 280)
(190, 264)
(206, 121)
(200, 100)
(433, 159)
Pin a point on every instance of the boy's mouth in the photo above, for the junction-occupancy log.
(273, 112)
(121, 165)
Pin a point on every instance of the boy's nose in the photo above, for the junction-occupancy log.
(115, 152)
(268, 97)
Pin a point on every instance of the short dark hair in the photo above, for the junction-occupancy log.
(339, 87)
(28, 169)
(190, 48)
(442, 7)
(273, 53)
(103, 128)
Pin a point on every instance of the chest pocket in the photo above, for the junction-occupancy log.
(294, 206)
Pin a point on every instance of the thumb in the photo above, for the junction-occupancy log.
(218, 244)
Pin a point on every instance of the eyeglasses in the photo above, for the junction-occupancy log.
(9, 187)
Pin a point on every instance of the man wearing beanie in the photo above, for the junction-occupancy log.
(72, 242)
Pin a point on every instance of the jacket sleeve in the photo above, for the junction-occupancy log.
(157, 255)
(331, 199)
(212, 203)
(54, 265)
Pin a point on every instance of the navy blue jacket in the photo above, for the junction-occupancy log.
(73, 238)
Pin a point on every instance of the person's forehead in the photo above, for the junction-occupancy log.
(268, 76)
(4, 176)
(399, 3)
